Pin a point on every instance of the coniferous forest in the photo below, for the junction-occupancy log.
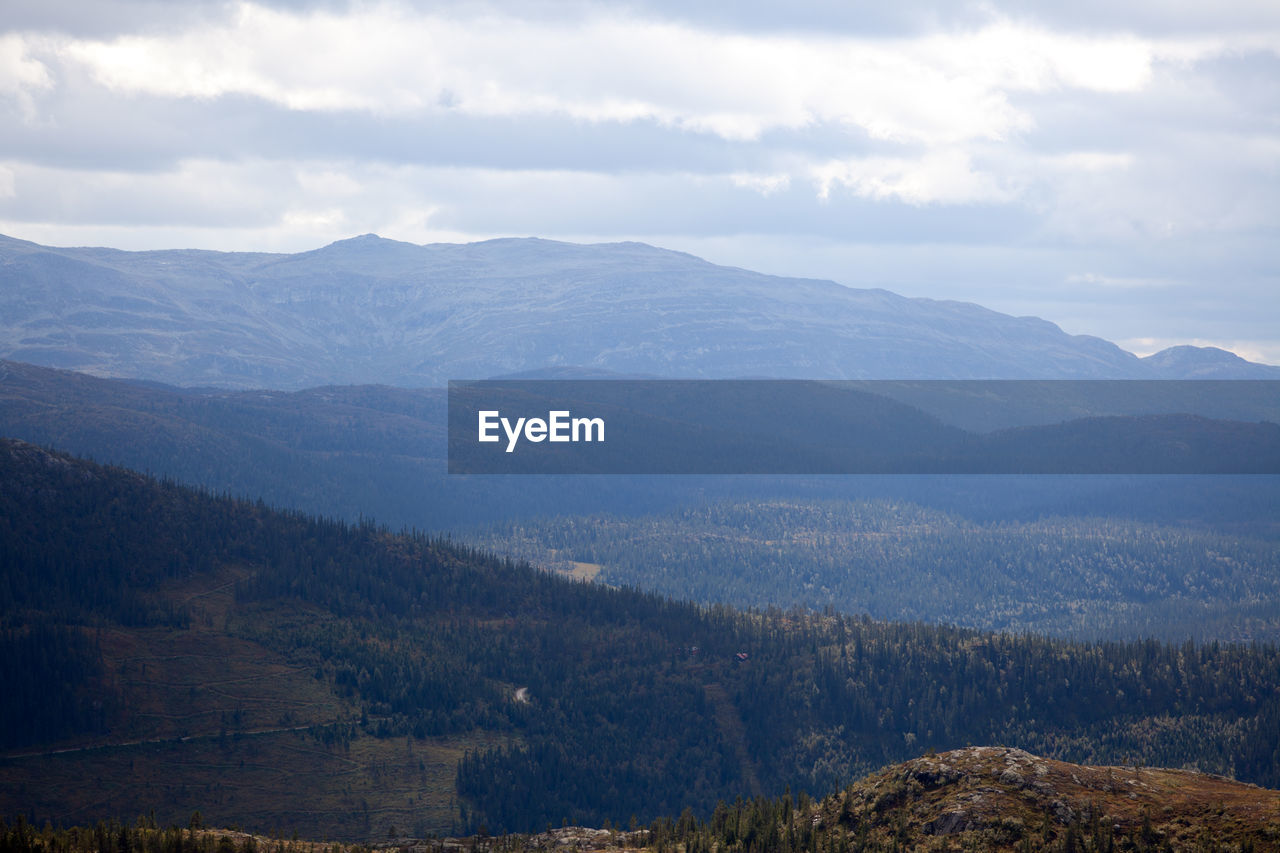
(639, 426)
(564, 702)
(1065, 575)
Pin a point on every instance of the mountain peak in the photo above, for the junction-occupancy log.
(1192, 362)
(369, 309)
(363, 241)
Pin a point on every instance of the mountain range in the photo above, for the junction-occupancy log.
(378, 451)
(174, 651)
(371, 310)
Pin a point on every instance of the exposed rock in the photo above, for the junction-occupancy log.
(992, 796)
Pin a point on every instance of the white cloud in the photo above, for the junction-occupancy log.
(1137, 165)
(22, 76)
(312, 219)
(938, 89)
(1122, 281)
(946, 177)
(1086, 161)
(296, 205)
(765, 184)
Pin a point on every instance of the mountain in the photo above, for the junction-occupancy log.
(1087, 556)
(1188, 362)
(377, 451)
(347, 452)
(166, 650)
(370, 310)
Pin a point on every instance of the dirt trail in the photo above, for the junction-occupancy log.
(734, 733)
(175, 739)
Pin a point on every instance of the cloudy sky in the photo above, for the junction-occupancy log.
(1112, 167)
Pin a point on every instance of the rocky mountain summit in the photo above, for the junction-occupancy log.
(1002, 798)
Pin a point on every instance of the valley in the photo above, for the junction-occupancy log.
(282, 613)
(373, 675)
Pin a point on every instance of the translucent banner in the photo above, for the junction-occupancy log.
(863, 427)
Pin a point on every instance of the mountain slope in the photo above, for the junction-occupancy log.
(1188, 362)
(378, 451)
(372, 310)
(1090, 557)
(1001, 799)
(977, 798)
(184, 652)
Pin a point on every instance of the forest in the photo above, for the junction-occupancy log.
(637, 705)
(926, 804)
(355, 452)
(1079, 576)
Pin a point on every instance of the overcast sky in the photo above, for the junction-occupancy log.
(1111, 167)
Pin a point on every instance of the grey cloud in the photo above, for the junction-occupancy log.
(146, 200)
(707, 206)
(1148, 17)
(1199, 138)
(1152, 17)
(83, 126)
(108, 18)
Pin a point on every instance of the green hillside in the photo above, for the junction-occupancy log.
(170, 650)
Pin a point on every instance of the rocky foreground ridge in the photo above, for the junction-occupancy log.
(977, 798)
(998, 798)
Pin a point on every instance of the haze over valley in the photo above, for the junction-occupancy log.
(927, 358)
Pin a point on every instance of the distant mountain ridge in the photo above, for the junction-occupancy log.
(369, 310)
(1188, 362)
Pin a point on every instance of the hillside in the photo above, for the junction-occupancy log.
(1006, 799)
(1188, 362)
(1064, 576)
(1002, 799)
(369, 310)
(976, 798)
(1090, 557)
(167, 650)
(377, 451)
